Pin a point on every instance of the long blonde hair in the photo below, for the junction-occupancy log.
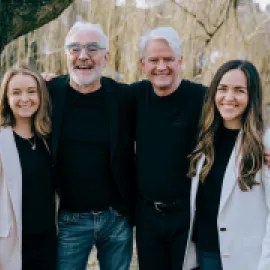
(252, 128)
(42, 118)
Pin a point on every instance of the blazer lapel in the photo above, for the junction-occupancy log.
(58, 109)
(12, 171)
(113, 113)
(230, 176)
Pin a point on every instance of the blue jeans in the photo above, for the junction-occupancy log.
(209, 260)
(108, 231)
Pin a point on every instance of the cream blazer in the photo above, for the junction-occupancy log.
(245, 242)
(10, 202)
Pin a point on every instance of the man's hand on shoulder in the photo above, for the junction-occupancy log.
(47, 76)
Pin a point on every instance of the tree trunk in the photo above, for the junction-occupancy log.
(18, 17)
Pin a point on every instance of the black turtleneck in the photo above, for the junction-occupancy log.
(209, 192)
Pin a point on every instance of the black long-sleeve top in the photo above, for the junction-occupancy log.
(38, 198)
(83, 158)
(166, 132)
(208, 196)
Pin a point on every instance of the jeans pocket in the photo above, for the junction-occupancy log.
(116, 213)
(68, 217)
(120, 227)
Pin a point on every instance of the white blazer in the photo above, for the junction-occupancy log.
(245, 244)
(10, 202)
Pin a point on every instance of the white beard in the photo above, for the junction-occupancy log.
(86, 80)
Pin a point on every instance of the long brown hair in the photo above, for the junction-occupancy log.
(41, 119)
(252, 127)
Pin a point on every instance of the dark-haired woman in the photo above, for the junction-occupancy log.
(230, 194)
(27, 207)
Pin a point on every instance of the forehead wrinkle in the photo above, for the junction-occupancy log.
(88, 36)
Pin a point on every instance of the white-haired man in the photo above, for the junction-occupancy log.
(168, 110)
(92, 151)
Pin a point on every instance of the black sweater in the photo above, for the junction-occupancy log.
(166, 132)
(83, 156)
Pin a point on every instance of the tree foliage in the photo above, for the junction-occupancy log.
(19, 17)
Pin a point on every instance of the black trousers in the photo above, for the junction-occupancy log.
(39, 251)
(161, 238)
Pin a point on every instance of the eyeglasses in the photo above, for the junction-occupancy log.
(91, 48)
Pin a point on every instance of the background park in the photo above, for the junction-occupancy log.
(213, 31)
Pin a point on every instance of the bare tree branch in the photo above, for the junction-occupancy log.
(224, 16)
(258, 29)
(187, 11)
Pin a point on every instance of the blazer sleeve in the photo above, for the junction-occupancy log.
(4, 206)
(264, 263)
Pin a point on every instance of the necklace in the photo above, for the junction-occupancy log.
(33, 144)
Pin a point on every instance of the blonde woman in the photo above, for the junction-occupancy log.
(27, 206)
(230, 194)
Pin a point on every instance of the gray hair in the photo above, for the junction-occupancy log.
(86, 26)
(166, 33)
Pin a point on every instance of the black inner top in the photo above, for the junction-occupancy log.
(38, 212)
(84, 156)
(208, 196)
